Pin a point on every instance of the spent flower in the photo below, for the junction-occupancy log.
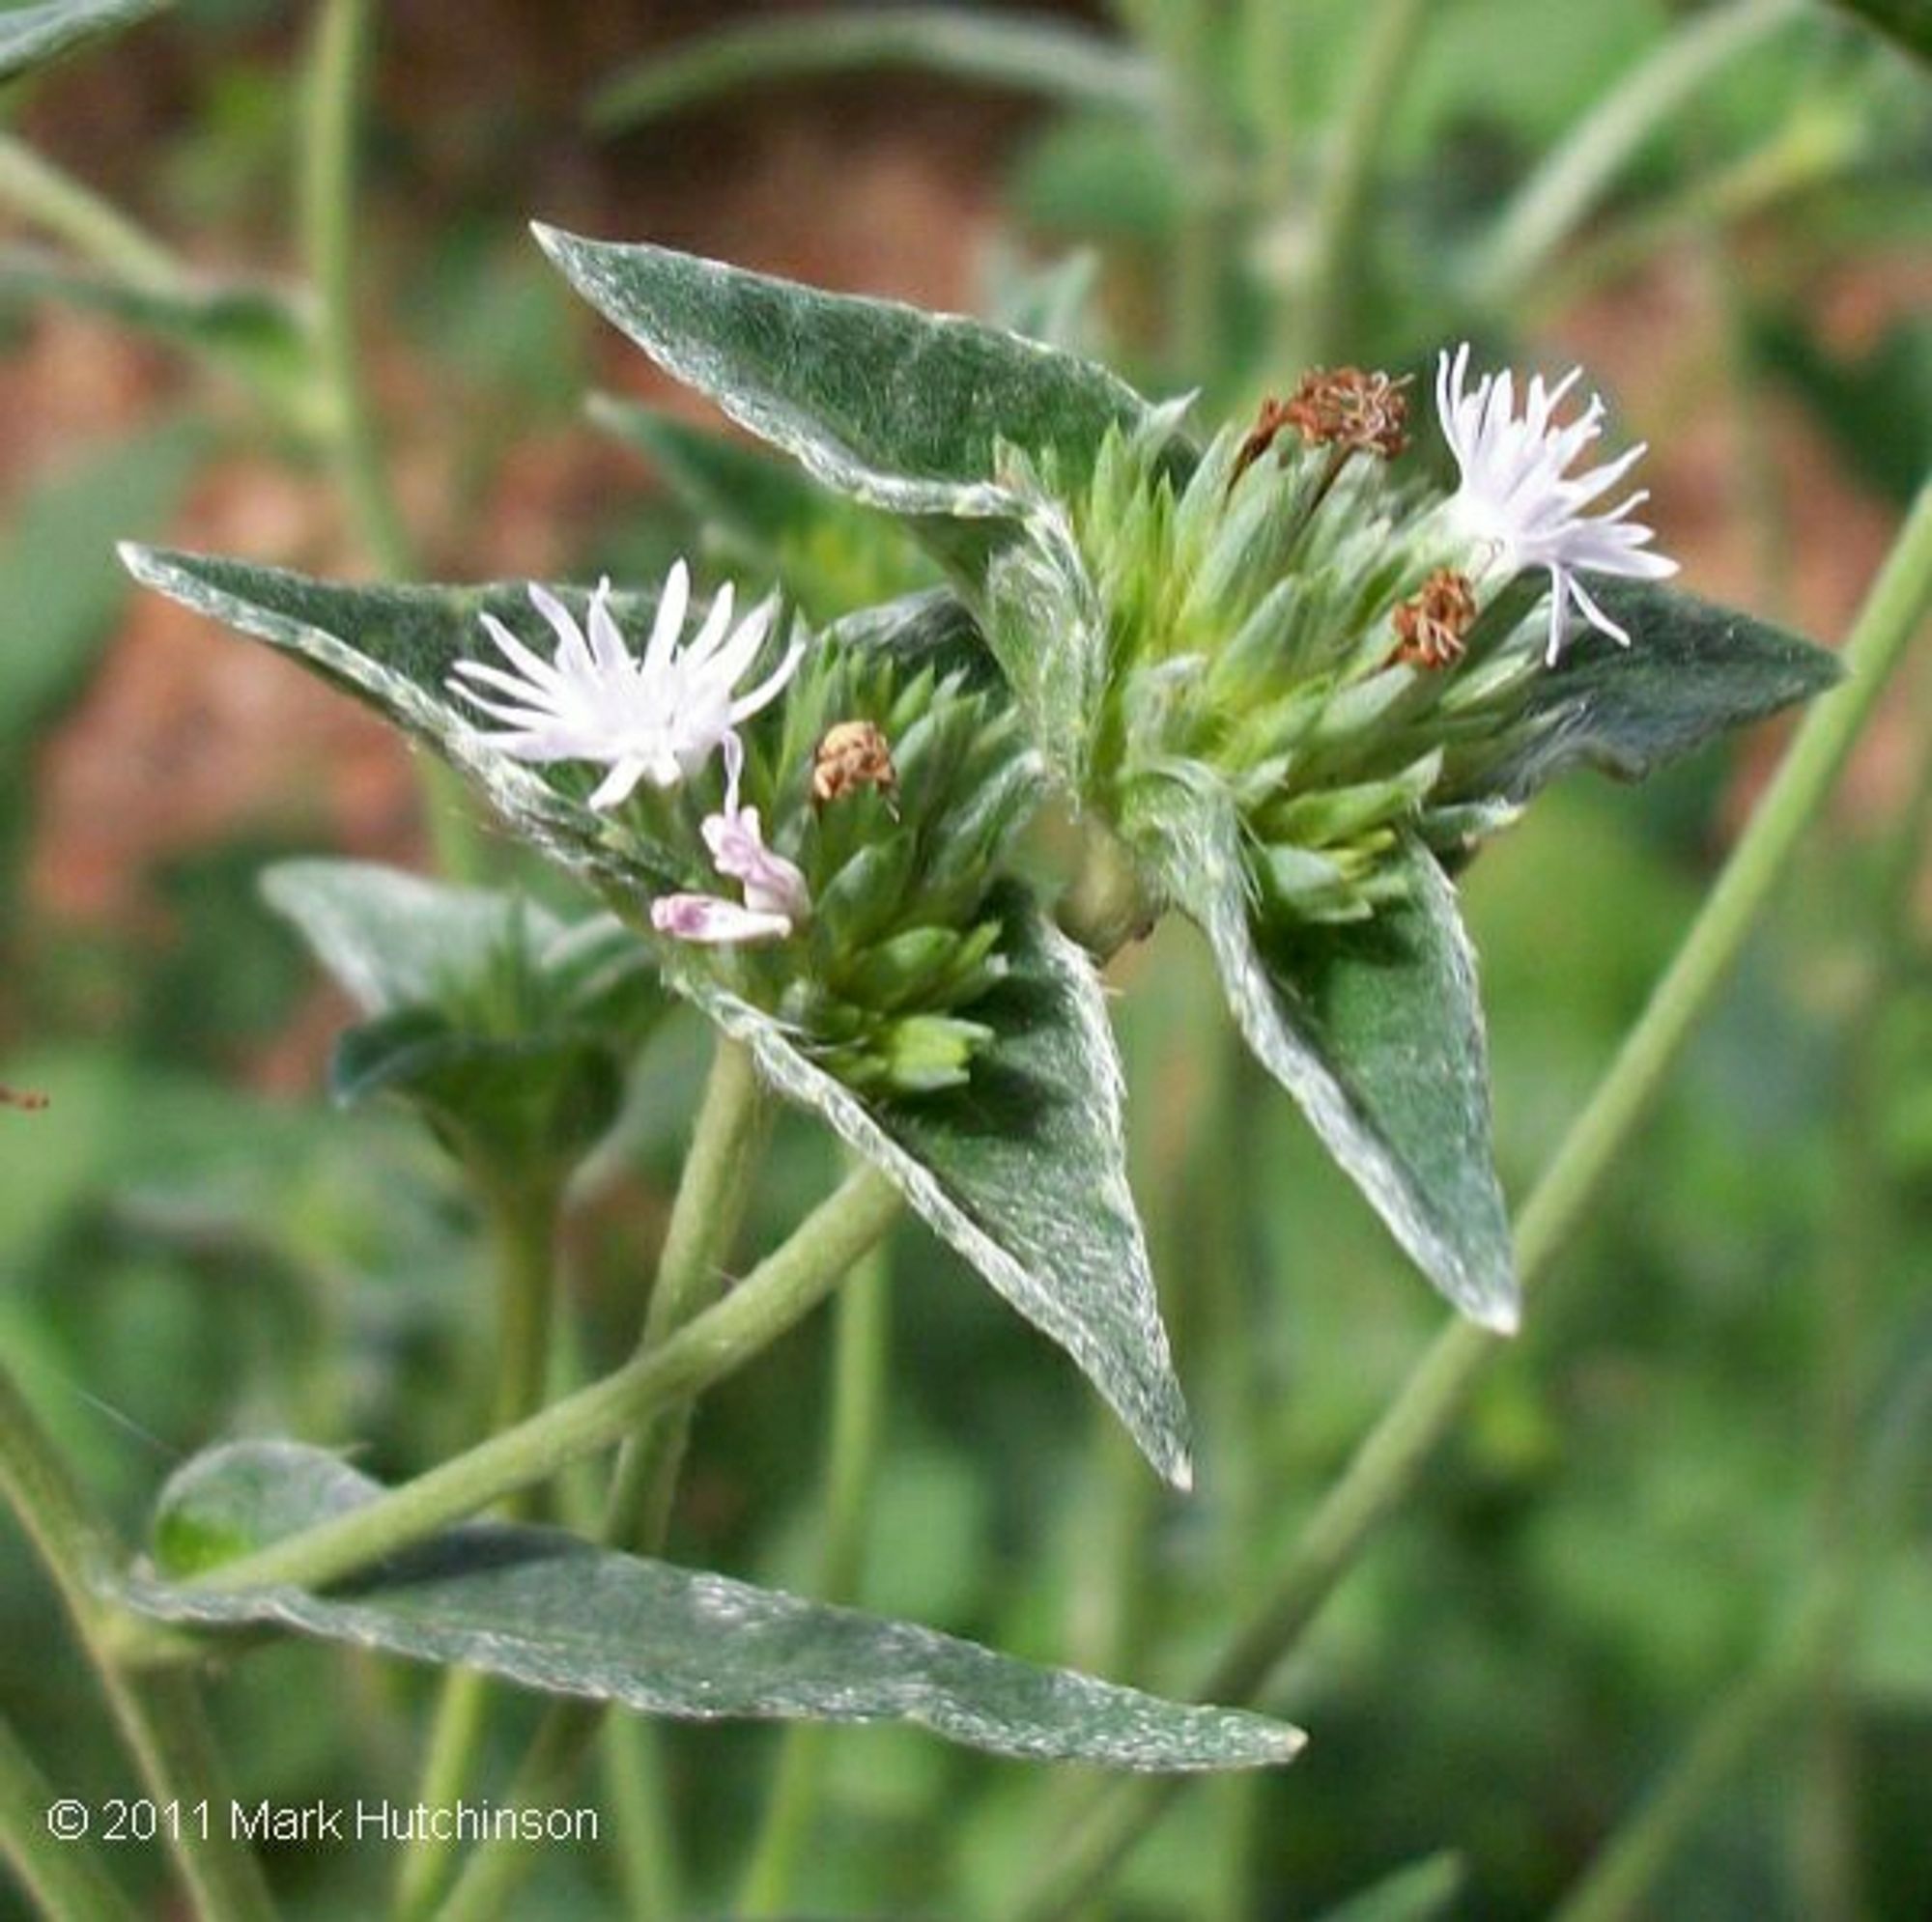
(657, 719)
(1518, 496)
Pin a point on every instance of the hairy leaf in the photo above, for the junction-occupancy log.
(1023, 1170)
(1376, 1031)
(549, 1611)
(394, 939)
(393, 647)
(257, 332)
(1693, 670)
(902, 408)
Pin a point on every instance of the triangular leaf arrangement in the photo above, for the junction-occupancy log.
(926, 1009)
(1262, 667)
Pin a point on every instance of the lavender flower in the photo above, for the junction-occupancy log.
(777, 899)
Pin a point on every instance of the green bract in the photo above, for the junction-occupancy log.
(1203, 656)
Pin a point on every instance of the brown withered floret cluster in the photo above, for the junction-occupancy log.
(1351, 408)
(1433, 624)
(853, 754)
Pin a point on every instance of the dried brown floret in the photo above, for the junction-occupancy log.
(853, 754)
(1433, 624)
(1361, 409)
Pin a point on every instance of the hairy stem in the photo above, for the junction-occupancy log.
(866, 1204)
(779, 1292)
(710, 1196)
(160, 1715)
(1618, 1886)
(1036, 54)
(1826, 1862)
(858, 1409)
(1391, 1458)
(330, 149)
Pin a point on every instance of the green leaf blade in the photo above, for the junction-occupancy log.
(1376, 1031)
(393, 648)
(1038, 54)
(394, 939)
(898, 407)
(543, 1609)
(1693, 670)
(1024, 1172)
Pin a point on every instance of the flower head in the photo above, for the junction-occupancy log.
(1517, 495)
(657, 719)
(776, 899)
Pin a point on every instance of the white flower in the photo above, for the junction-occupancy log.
(658, 719)
(777, 898)
(1516, 497)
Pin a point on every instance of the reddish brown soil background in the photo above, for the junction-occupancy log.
(888, 188)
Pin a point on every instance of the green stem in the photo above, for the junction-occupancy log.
(1182, 37)
(1617, 1885)
(1820, 147)
(1325, 323)
(780, 1291)
(1391, 1458)
(863, 1208)
(711, 1196)
(336, 63)
(637, 1796)
(330, 179)
(66, 1879)
(1826, 1835)
(160, 1715)
(1105, 905)
(39, 192)
(711, 1193)
(858, 1406)
(523, 1228)
(1562, 193)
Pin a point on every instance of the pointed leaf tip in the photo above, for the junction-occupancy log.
(1377, 1034)
(547, 1611)
(1023, 1172)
